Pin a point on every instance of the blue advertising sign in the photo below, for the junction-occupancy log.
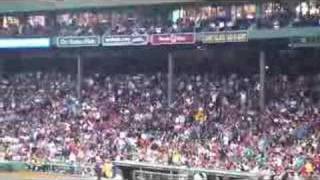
(12, 43)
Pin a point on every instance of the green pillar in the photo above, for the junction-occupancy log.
(262, 65)
(259, 10)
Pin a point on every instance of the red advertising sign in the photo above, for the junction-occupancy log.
(173, 39)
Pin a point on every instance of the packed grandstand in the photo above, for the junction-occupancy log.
(208, 112)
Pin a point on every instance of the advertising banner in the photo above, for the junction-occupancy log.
(12, 43)
(78, 41)
(224, 37)
(125, 40)
(308, 41)
(173, 39)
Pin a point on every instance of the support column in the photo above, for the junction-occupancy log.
(2, 69)
(262, 65)
(259, 12)
(170, 78)
(79, 76)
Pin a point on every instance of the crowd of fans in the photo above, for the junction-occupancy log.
(33, 25)
(160, 20)
(213, 123)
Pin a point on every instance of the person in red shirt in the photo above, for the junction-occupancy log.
(304, 172)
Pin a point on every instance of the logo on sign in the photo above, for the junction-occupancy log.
(80, 41)
(125, 40)
(173, 39)
(224, 37)
(138, 40)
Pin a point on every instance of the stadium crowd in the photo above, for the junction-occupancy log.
(214, 121)
(195, 18)
(28, 25)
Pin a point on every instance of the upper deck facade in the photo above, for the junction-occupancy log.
(254, 19)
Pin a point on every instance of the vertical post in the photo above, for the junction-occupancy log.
(79, 76)
(54, 23)
(309, 7)
(259, 12)
(300, 7)
(170, 78)
(262, 58)
(1, 66)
